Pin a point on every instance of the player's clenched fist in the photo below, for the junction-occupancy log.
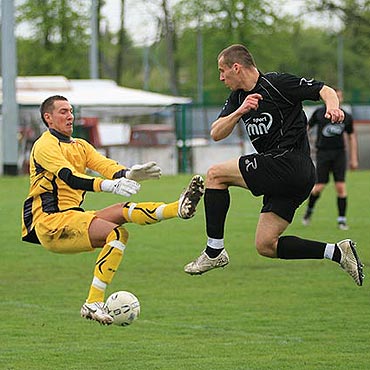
(335, 115)
(250, 103)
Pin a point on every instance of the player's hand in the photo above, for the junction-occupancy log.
(251, 102)
(335, 115)
(146, 171)
(121, 186)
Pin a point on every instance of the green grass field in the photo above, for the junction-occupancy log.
(257, 313)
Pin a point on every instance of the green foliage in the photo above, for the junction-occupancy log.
(58, 40)
(71, 61)
(257, 313)
(133, 76)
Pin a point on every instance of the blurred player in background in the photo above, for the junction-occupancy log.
(270, 108)
(52, 213)
(331, 157)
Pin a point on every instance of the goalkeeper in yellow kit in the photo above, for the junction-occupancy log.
(52, 213)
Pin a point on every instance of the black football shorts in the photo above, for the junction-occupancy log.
(327, 161)
(284, 177)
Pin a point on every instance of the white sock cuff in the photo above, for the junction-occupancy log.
(117, 244)
(215, 243)
(159, 212)
(329, 251)
(130, 210)
(98, 284)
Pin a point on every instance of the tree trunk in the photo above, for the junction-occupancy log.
(121, 45)
(171, 48)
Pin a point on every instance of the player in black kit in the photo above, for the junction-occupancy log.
(270, 107)
(331, 157)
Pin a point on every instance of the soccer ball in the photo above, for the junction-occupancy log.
(124, 307)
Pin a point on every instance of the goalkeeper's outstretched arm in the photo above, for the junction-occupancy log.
(121, 186)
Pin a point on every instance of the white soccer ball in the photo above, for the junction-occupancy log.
(124, 307)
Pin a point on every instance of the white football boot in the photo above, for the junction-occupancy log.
(204, 263)
(190, 197)
(350, 261)
(96, 311)
(343, 226)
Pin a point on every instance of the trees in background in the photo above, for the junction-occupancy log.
(355, 34)
(58, 42)
(56, 38)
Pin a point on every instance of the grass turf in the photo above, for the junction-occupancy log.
(257, 313)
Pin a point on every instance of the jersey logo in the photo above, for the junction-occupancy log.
(259, 125)
(249, 164)
(331, 130)
(307, 82)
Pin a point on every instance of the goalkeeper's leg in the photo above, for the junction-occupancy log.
(106, 265)
(146, 213)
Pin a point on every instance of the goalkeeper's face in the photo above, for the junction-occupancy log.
(61, 117)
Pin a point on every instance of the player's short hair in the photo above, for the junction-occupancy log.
(47, 106)
(237, 54)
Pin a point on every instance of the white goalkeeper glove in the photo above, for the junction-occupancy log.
(146, 171)
(120, 186)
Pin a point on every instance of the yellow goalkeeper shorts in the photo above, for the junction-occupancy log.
(65, 232)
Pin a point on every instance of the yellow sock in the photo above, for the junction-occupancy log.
(145, 213)
(95, 294)
(107, 263)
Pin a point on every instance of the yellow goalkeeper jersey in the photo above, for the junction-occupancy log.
(58, 181)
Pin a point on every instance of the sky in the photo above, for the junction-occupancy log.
(139, 19)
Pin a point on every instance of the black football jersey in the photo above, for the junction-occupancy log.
(279, 121)
(330, 135)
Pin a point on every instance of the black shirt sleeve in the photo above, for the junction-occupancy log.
(75, 182)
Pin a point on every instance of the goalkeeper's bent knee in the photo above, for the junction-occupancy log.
(119, 233)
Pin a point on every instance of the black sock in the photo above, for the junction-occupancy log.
(342, 206)
(292, 247)
(213, 252)
(337, 254)
(312, 200)
(216, 205)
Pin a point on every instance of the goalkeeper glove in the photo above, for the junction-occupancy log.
(146, 171)
(120, 186)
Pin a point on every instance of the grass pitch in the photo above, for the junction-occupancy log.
(257, 313)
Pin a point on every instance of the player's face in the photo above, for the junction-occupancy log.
(229, 75)
(61, 118)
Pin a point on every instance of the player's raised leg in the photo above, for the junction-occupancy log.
(145, 213)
